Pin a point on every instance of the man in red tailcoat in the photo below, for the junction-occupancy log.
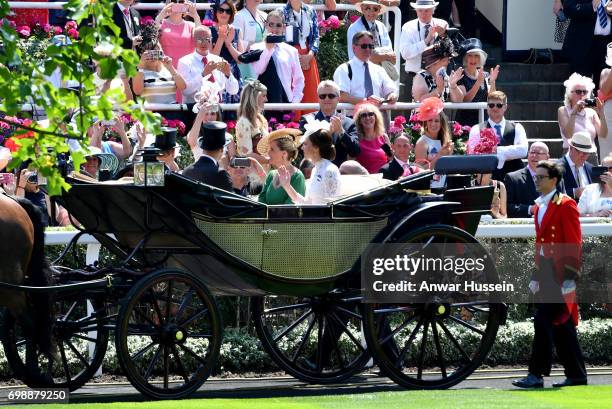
(557, 257)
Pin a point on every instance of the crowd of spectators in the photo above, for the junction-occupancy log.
(240, 54)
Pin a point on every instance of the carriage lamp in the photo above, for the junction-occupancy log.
(149, 171)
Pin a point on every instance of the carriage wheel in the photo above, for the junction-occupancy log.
(81, 339)
(315, 339)
(168, 334)
(437, 344)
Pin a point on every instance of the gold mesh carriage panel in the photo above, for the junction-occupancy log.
(243, 240)
(315, 250)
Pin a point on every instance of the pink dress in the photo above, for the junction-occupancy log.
(372, 157)
(175, 40)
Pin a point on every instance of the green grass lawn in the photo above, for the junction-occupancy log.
(591, 397)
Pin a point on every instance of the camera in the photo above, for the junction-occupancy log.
(110, 122)
(240, 162)
(179, 8)
(590, 102)
(597, 172)
(275, 39)
(156, 55)
(33, 178)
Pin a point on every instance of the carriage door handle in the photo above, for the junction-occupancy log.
(268, 232)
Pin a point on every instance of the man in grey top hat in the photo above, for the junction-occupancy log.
(206, 169)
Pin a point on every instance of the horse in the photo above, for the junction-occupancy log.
(23, 262)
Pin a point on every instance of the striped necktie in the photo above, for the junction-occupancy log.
(601, 15)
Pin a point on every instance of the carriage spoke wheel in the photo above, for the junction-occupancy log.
(315, 339)
(80, 335)
(437, 344)
(168, 334)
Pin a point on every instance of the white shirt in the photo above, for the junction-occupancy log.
(542, 202)
(591, 201)
(288, 67)
(191, 67)
(412, 42)
(584, 180)
(248, 26)
(599, 30)
(382, 85)
(324, 183)
(518, 150)
(357, 26)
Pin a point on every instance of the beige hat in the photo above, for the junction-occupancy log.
(424, 4)
(582, 141)
(359, 5)
(263, 147)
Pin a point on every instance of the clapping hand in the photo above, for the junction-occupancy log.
(284, 176)
(456, 76)
(335, 125)
(494, 73)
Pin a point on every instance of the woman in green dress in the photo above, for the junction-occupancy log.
(281, 146)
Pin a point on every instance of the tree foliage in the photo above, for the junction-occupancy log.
(22, 81)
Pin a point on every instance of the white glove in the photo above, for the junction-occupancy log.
(534, 286)
(568, 286)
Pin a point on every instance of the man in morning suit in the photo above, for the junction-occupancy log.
(206, 169)
(345, 137)
(520, 184)
(557, 257)
(128, 20)
(577, 172)
(399, 165)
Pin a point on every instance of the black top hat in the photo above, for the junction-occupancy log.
(166, 140)
(212, 135)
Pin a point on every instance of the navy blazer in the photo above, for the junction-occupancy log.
(346, 144)
(568, 176)
(206, 171)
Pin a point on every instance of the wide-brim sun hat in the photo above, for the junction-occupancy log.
(108, 161)
(472, 46)
(358, 6)
(424, 4)
(582, 142)
(263, 147)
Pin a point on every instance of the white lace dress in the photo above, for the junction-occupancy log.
(324, 184)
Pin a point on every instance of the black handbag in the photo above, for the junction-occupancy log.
(250, 56)
(540, 56)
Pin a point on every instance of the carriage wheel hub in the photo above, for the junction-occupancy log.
(172, 334)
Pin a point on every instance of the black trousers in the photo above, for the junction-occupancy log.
(564, 339)
(467, 14)
(594, 61)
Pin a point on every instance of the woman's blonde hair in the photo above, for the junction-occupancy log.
(287, 144)
(444, 133)
(248, 100)
(379, 125)
(572, 81)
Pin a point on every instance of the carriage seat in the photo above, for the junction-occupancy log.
(353, 184)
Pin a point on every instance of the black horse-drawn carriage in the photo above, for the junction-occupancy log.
(185, 243)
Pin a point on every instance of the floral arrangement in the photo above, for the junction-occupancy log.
(35, 39)
(411, 128)
(332, 46)
(181, 130)
(10, 132)
(146, 21)
(288, 121)
(460, 134)
(487, 143)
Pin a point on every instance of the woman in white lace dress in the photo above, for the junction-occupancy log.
(324, 184)
(251, 125)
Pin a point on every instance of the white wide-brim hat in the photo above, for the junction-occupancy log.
(424, 4)
(359, 5)
(582, 142)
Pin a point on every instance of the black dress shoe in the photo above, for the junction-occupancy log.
(530, 381)
(570, 382)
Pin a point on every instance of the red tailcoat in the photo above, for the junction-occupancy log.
(560, 238)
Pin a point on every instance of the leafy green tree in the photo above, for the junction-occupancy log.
(22, 81)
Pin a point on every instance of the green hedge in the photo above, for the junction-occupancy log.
(241, 352)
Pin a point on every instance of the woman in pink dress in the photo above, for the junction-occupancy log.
(372, 137)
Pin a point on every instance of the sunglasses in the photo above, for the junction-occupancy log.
(492, 105)
(224, 10)
(542, 177)
(366, 46)
(178, 1)
(367, 114)
(328, 96)
(275, 25)
(580, 91)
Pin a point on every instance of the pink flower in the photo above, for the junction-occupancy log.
(293, 125)
(57, 30)
(334, 22)
(399, 120)
(487, 142)
(208, 23)
(414, 118)
(323, 24)
(71, 25)
(395, 129)
(280, 126)
(73, 33)
(231, 124)
(353, 18)
(272, 121)
(457, 129)
(47, 28)
(24, 31)
(146, 20)
(416, 127)
(466, 128)
(286, 117)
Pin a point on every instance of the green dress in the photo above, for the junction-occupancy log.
(275, 196)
